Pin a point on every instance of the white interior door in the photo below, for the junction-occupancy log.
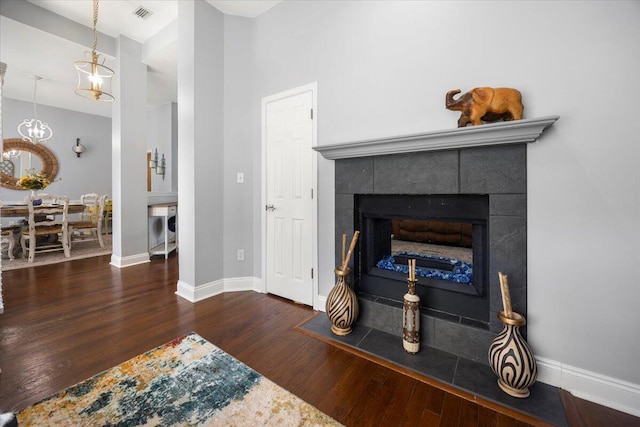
(289, 208)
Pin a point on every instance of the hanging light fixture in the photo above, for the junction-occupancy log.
(158, 165)
(153, 163)
(161, 168)
(34, 130)
(78, 148)
(94, 78)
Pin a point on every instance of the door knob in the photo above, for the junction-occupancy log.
(270, 208)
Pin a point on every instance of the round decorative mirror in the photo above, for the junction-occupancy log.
(45, 157)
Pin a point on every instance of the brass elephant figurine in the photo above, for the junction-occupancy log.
(486, 104)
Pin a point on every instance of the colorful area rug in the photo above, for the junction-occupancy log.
(188, 381)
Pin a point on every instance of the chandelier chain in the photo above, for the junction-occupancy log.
(95, 23)
(35, 90)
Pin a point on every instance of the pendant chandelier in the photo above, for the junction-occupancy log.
(34, 130)
(94, 78)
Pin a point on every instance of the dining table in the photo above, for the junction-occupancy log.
(21, 209)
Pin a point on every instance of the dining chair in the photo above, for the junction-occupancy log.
(90, 202)
(8, 239)
(47, 228)
(89, 227)
(108, 216)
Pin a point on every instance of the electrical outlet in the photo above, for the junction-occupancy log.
(240, 178)
(240, 254)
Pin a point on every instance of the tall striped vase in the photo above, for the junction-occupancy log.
(511, 359)
(411, 319)
(342, 304)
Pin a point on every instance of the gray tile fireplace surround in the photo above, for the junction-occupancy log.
(498, 171)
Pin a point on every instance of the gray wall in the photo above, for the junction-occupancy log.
(240, 110)
(201, 144)
(383, 68)
(162, 128)
(91, 173)
(160, 132)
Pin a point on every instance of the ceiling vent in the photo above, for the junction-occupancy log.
(142, 12)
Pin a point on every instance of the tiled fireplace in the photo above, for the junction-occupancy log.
(479, 171)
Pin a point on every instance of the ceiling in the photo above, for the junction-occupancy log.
(29, 51)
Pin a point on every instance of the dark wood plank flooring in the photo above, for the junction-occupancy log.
(66, 322)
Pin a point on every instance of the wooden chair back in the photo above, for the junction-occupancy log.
(49, 217)
(92, 223)
(51, 212)
(90, 202)
(108, 216)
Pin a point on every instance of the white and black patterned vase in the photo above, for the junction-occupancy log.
(511, 358)
(342, 304)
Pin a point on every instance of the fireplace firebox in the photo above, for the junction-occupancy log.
(446, 234)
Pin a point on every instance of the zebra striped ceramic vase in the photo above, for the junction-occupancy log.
(511, 359)
(342, 304)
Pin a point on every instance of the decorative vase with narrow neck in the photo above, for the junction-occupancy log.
(511, 359)
(411, 319)
(342, 304)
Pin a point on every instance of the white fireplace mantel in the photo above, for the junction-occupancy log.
(513, 132)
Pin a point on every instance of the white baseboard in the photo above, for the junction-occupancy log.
(128, 261)
(217, 287)
(611, 392)
(237, 284)
(320, 303)
(195, 294)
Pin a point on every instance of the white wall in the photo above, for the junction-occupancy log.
(383, 69)
(91, 173)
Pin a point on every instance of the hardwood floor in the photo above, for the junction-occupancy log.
(66, 322)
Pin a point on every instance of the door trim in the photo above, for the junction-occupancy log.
(313, 88)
